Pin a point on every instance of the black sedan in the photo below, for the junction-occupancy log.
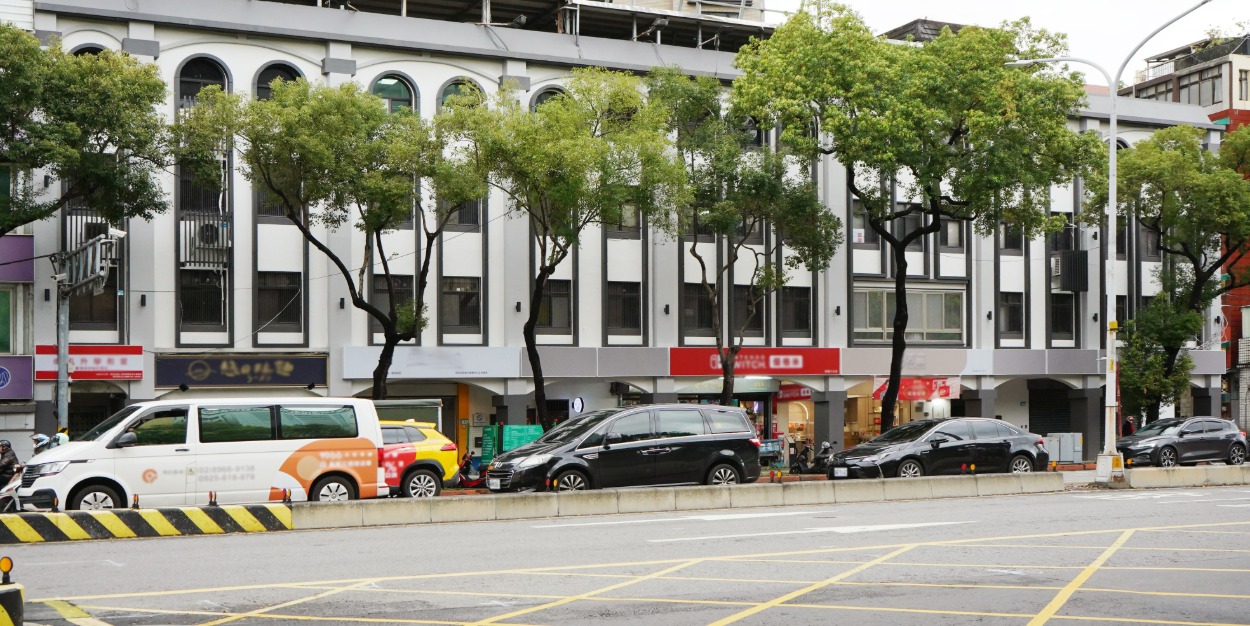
(943, 446)
(1181, 441)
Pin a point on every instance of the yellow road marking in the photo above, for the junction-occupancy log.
(851, 607)
(1139, 620)
(1034, 545)
(307, 618)
(1064, 594)
(244, 518)
(67, 525)
(810, 588)
(158, 523)
(262, 611)
(202, 521)
(589, 594)
(75, 615)
(112, 523)
(21, 529)
(282, 512)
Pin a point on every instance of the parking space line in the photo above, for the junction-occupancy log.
(1066, 593)
(261, 611)
(810, 588)
(310, 618)
(851, 607)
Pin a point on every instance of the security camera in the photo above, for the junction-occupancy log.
(60, 277)
(117, 234)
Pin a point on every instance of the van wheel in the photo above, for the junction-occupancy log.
(571, 480)
(422, 483)
(332, 489)
(95, 498)
(723, 474)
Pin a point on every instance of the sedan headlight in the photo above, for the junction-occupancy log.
(1150, 443)
(533, 461)
(49, 469)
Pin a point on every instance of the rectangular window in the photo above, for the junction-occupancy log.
(1243, 85)
(465, 217)
(696, 310)
(160, 428)
(933, 316)
(1150, 250)
(628, 226)
(89, 311)
(316, 422)
(751, 232)
(195, 197)
(623, 308)
(6, 180)
(235, 423)
(1121, 238)
(1064, 239)
(748, 312)
(796, 311)
(268, 205)
(1062, 316)
(1211, 86)
(381, 296)
(279, 302)
(910, 224)
(555, 312)
(951, 234)
(460, 308)
(693, 227)
(1187, 87)
(202, 299)
(1010, 239)
(1121, 309)
(862, 235)
(6, 321)
(679, 423)
(1011, 315)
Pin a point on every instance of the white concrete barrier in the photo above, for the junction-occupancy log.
(869, 490)
(954, 486)
(463, 509)
(526, 506)
(1199, 476)
(307, 516)
(998, 484)
(645, 500)
(908, 489)
(811, 492)
(1041, 482)
(397, 511)
(756, 495)
(596, 502)
(704, 497)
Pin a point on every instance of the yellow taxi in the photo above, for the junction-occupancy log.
(418, 459)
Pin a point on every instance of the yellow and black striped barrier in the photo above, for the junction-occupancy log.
(12, 597)
(126, 523)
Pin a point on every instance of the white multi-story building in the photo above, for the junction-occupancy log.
(221, 296)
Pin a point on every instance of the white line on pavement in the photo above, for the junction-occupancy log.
(685, 518)
(1197, 501)
(828, 529)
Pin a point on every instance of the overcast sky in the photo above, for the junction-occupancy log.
(1104, 31)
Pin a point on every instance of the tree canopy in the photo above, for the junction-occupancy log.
(90, 120)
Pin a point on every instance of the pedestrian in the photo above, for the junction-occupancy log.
(8, 462)
(1127, 428)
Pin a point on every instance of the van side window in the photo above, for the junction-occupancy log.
(728, 422)
(316, 422)
(160, 428)
(235, 423)
(636, 427)
(680, 422)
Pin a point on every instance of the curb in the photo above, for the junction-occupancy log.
(126, 523)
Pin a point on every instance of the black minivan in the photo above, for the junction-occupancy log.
(662, 444)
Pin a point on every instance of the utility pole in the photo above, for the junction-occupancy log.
(85, 268)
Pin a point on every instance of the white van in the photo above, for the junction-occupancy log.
(174, 453)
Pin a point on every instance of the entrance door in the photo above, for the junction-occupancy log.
(159, 467)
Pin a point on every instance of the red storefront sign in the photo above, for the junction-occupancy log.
(92, 362)
(790, 393)
(757, 361)
(919, 389)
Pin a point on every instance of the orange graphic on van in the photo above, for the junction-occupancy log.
(149, 476)
(357, 458)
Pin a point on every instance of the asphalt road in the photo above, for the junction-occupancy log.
(1176, 556)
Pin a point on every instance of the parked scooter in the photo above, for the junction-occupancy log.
(469, 479)
(9, 502)
(818, 465)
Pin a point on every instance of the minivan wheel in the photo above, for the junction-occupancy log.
(95, 498)
(1237, 455)
(332, 489)
(723, 475)
(1021, 464)
(911, 468)
(571, 481)
(422, 484)
(1167, 457)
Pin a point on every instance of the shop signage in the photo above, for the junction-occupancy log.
(756, 361)
(919, 389)
(17, 378)
(434, 362)
(490, 436)
(790, 393)
(517, 435)
(237, 370)
(741, 385)
(92, 362)
(17, 259)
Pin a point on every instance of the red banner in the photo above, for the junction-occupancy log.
(789, 393)
(757, 361)
(92, 362)
(919, 389)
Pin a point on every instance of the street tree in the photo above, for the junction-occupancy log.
(331, 158)
(741, 189)
(1146, 378)
(1195, 203)
(90, 120)
(944, 127)
(585, 156)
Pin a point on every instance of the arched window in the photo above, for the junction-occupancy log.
(544, 96)
(196, 75)
(271, 73)
(459, 87)
(88, 49)
(396, 92)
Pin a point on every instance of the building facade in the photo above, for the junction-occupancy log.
(221, 296)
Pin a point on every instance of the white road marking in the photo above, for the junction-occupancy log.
(1007, 571)
(1142, 496)
(106, 562)
(684, 518)
(1196, 501)
(827, 529)
(497, 603)
(1234, 506)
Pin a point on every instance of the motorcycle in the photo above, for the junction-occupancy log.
(818, 465)
(468, 478)
(9, 502)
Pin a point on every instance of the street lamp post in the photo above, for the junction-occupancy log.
(1110, 465)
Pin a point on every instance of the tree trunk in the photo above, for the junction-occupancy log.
(728, 357)
(898, 343)
(531, 347)
(383, 368)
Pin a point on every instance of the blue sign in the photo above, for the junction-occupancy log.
(17, 377)
(5, 377)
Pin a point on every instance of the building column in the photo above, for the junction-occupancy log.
(979, 402)
(829, 417)
(1207, 400)
(1088, 412)
(510, 409)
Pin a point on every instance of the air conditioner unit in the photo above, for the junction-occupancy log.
(1056, 269)
(212, 235)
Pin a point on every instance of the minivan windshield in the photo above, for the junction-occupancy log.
(904, 433)
(108, 424)
(574, 428)
(1160, 427)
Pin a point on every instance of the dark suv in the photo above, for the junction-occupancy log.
(666, 444)
(1168, 442)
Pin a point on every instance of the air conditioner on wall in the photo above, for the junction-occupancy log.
(1056, 269)
(212, 235)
